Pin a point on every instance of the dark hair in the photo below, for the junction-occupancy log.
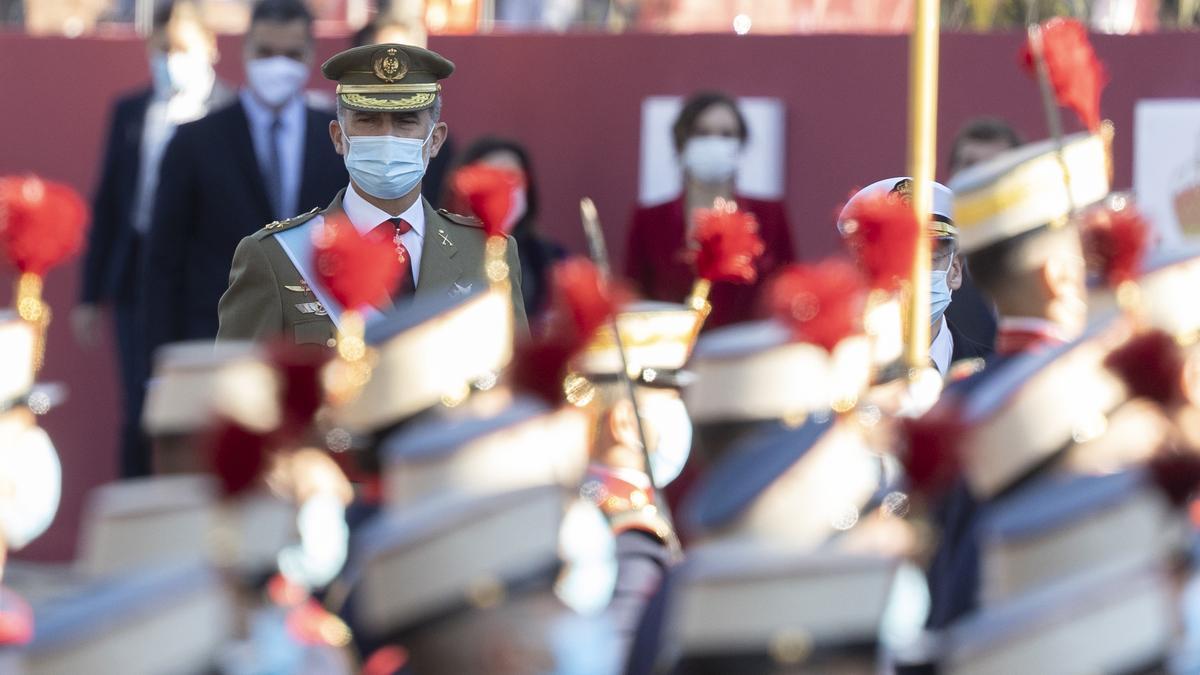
(685, 124)
(282, 11)
(486, 145)
(983, 130)
(993, 265)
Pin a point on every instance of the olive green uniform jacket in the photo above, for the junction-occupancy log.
(269, 296)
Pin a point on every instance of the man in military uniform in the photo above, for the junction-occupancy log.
(1017, 229)
(388, 127)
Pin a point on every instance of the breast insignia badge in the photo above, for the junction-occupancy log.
(311, 308)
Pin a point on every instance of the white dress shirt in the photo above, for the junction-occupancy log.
(291, 145)
(941, 350)
(365, 217)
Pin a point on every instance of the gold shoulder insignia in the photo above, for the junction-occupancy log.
(460, 219)
(279, 225)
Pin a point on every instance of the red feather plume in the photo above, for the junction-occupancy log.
(822, 303)
(301, 391)
(881, 231)
(582, 301)
(41, 222)
(1115, 242)
(1075, 73)
(496, 196)
(929, 447)
(1176, 473)
(727, 244)
(357, 270)
(238, 456)
(1152, 366)
(16, 619)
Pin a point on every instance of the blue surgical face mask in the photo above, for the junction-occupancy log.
(387, 167)
(939, 293)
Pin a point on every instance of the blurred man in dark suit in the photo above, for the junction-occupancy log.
(979, 140)
(184, 88)
(264, 158)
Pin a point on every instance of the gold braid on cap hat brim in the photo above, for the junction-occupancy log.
(414, 102)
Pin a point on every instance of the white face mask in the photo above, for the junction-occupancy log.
(190, 72)
(276, 80)
(386, 167)
(939, 293)
(711, 159)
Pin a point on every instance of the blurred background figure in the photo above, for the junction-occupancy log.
(709, 134)
(979, 140)
(183, 88)
(396, 25)
(266, 157)
(538, 253)
(403, 24)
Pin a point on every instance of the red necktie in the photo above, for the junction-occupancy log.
(394, 228)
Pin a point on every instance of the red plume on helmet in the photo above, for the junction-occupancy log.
(822, 303)
(301, 392)
(41, 223)
(582, 301)
(929, 447)
(1152, 366)
(1075, 73)
(16, 619)
(727, 244)
(1115, 242)
(1176, 473)
(495, 195)
(881, 231)
(357, 270)
(238, 456)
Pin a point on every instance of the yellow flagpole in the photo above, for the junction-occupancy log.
(922, 144)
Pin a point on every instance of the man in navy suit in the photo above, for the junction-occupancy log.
(266, 157)
(184, 88)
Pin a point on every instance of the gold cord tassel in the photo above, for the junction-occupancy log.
(33, 309)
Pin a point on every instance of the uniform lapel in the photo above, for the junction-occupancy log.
(297, 245)
(440, 271)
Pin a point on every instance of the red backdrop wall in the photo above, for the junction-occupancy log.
(576, 102)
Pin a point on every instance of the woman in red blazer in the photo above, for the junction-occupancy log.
(709, 135)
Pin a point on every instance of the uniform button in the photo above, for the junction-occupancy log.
(331, 342)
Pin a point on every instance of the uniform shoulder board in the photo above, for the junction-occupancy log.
(281, 225)
(460, 219)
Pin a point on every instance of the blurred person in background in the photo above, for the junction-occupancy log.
(264, 158)
(709, 136)
(405, 26)
(183, 88)
(979, 140)
(537, 253)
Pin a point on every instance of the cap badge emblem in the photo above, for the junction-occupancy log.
(390, 65)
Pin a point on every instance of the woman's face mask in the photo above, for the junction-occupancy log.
(711, 159)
